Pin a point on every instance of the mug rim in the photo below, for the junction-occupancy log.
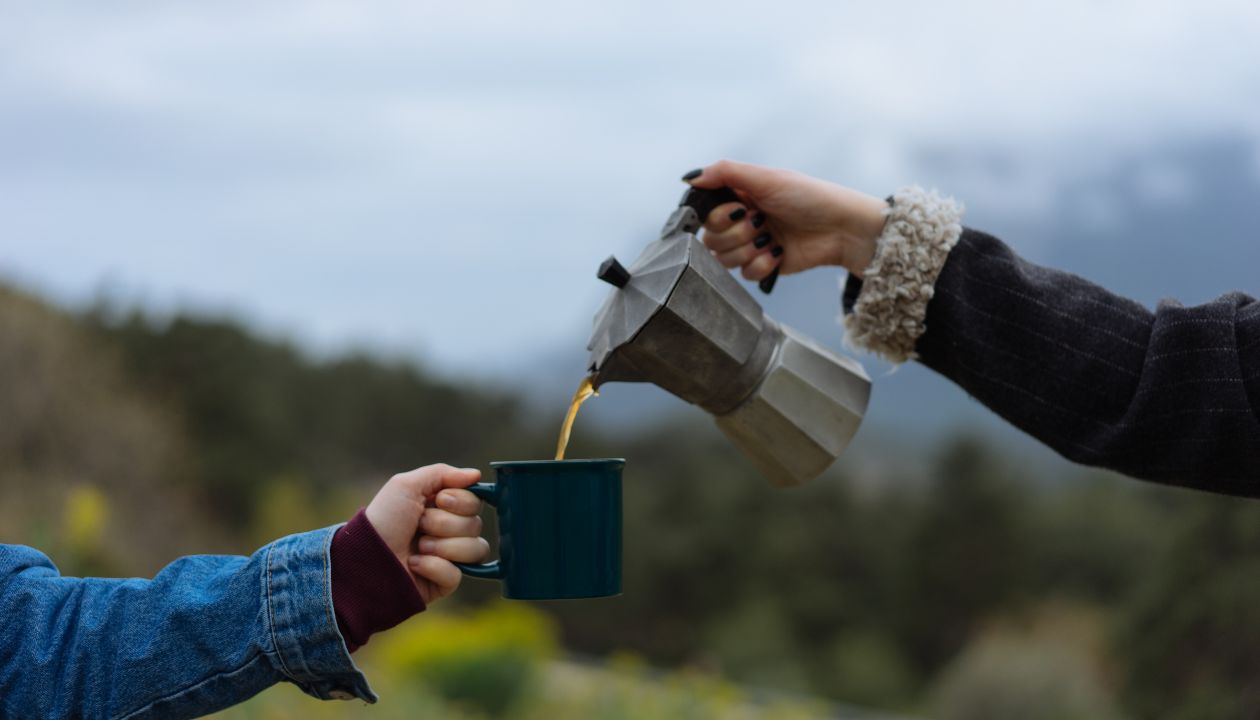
(567, 462)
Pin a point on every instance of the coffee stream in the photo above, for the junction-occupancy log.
(585, 390)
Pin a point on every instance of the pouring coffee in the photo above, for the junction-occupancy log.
(678, 319)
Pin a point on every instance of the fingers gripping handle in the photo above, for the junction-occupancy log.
(492, 570)
(703, 200)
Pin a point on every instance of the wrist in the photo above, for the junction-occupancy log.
(860, 236)
(371, 592)
(888, 313)
(391, 517)
(381, 526)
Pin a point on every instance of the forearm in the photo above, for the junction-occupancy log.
(205, 633)
(1165, 396)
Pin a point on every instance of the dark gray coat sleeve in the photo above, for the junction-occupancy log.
(1169, 396)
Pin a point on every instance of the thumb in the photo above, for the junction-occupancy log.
(428, 480)
(460, 477)
(745, 177)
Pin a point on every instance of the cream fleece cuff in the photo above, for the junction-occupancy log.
(888, 317)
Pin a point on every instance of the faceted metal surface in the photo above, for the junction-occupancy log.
(803, 414)
(684, 323)
(704, 325)
(627, 310)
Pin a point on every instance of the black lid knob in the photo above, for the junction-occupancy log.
(612, 272)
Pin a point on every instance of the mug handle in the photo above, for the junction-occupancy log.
(491, 570)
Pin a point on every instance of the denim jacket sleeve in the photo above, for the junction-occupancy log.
(207, 632)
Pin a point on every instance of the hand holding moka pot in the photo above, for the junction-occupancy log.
(679, 320)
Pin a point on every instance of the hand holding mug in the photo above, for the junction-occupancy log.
(429, 521)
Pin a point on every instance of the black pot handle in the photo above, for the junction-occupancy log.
(703, 200)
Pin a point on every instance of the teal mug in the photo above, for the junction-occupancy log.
(559, 528)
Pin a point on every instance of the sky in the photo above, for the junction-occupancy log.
(440, 180)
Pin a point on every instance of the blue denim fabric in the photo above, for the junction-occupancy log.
(207, 632)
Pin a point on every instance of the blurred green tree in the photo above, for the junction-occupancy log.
(488, 660)
(75, 439)
(254, 409)
(1190, 634)
(968, 553)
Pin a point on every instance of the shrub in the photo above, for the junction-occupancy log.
(1044, 672)
(486, 660)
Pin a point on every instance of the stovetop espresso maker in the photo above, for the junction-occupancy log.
(678, 319)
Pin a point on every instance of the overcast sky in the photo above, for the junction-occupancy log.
(442, 179)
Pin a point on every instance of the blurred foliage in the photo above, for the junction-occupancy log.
(127, 440)
(967, 553)
(561, 691)
(624, 691)
(285, 505)
(83, 528)
(73, 418)
(1044, 669)
(485, 660)
(1190, 633)
(254, 410)
(871, 669)
(500, 661)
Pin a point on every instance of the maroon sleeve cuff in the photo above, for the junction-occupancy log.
(371, 590)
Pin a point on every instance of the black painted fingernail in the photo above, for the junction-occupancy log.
(692, 175)
(738, 214)
(762, 241)
(759, 219)
(777, 251)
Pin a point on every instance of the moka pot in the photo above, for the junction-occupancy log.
(678, 319)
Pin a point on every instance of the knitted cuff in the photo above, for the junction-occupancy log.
(371, 590)
(888, 315)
